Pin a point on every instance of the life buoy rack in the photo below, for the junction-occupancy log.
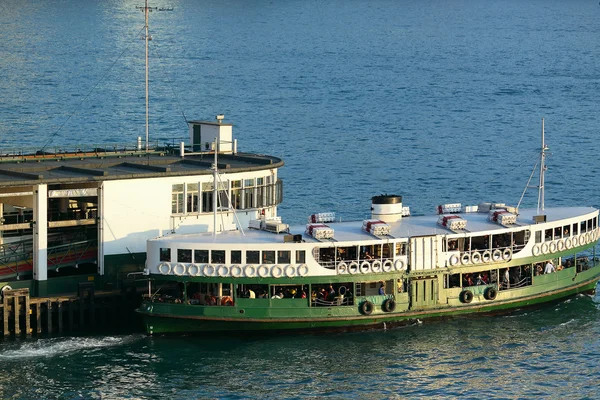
(569, 243)
(193, 270)
(387, 266)
(365, 267)
(276, 271)
(506, 254)
(179, 269)
(223, 270)
(303, 270)
(454, 260)
(290, 271)
(560, 246)
(545, 248)
(342, 268)
(366, 308)
(465, 259)
(226, 301)
(164, 268)
(486, 257)
(490, 293)
(209, 270)
(353, 268)
(388, 305)
(236, 271)
(536, 250)
(466, 296)
(399, 265)
(552, 247)
(250, 271)
(376, 266)
(476, 257)
(263, 271)
(497, 255)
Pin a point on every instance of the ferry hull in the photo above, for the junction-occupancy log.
(173, 322)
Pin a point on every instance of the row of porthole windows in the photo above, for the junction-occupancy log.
(235, 256)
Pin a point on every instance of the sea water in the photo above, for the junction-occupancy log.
(437, 101)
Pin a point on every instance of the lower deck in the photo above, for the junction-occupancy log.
(209, 305)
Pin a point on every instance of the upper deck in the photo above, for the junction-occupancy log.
(414, 226)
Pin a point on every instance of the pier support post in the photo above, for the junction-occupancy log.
(40, 239)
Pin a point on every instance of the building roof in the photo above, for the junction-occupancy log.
(101, 165)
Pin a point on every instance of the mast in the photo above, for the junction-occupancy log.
(215, 191)
(540, 206)
(146, 38)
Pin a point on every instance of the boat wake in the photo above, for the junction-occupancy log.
(63, 346)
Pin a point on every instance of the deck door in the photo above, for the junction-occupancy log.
(424, 292)
(424, 252)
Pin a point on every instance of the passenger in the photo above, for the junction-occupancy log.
(381, 290)
(368, 256)
(331, 294)
(303, 295)
(549, 268)
(278, 295)
(480, 280)
(251, 294)
(507, 278)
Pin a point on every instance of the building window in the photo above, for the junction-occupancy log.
(192, 198)
(165, 254)
(236, 256)
(184, 256)
(177, 199)
(200, 256)
(207, 197)
(236, 194)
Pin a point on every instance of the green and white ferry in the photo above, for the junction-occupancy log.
(259, 274)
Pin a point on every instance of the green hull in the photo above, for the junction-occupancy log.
(297, 315)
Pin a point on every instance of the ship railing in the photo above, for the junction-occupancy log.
(526, 281)
(337, 301)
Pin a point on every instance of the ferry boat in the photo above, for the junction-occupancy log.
(391, 268)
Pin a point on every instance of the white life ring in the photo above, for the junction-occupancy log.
(497, 255)
(303, 270)
(476, 257)
(399, 265)
(209, 270)
(179, 269)
(552, 247)
(290, 271)
(236, 271)
(560, 245)
(545, 248)
(164, 268)
(263, 271)
(250, 271)
(193, 270)
(568, 243)
(342, 268)
(454, 260)
(276, 271)
(223, 270)
(465, 259)
(536, 250)
(506, 254)
(486, 257)
(365, 267)
(353, 268)
(387, 266)
(588, 237)
(376, 266)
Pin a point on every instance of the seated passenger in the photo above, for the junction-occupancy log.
(251, 294)
(381, 290)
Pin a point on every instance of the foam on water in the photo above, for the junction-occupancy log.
(63, 346)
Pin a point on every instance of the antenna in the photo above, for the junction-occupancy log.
(147, 38)
(540, 206)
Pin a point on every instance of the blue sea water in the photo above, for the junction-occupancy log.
(439, 101)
